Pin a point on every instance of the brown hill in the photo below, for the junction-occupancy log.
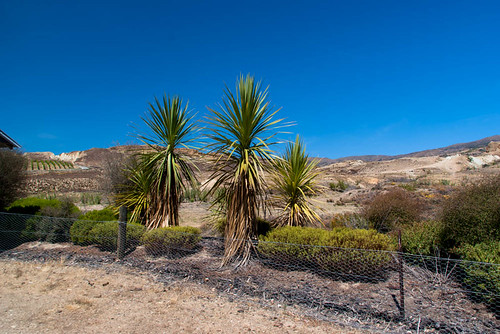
(442, 151)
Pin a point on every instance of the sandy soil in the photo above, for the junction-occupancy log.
(55, 298)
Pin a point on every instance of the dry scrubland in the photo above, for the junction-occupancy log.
(432, 178)
(54, 297)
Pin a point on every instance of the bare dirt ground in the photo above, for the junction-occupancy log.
(55, 298)
(269, 296)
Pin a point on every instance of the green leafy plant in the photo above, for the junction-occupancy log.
(409, 186)
(90, 198)
(80, 230)
(350, 220)
(472, 214)
(483, 275)
(105, 235)
(339, 186)
(422, 238)
(241, 134)
(354, 254)
(176, 240)
(35, 205)
(194, 194)
(166, 170)
(294, 181)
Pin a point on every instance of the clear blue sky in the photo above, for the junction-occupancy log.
(357, 77)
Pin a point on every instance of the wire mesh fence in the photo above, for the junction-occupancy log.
(398, 291)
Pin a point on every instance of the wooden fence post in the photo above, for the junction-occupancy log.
(401, 278)
(122, 232)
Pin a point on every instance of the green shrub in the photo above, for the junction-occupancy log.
(483, 278)
(80, 231)
(472, 214)
(50, 229)
(105, 235)
(194, 194)
(177, 240)
(32, 205)
(90, 198)
(423, 238)
(104, 215)
(53, 220)
(355, 254)
(350, 220)
(394, 208)
(408, 186)
(339, 185)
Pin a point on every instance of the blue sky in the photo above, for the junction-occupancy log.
(357, 77)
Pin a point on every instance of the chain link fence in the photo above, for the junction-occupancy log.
(375, 290)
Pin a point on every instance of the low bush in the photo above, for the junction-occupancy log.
(52, 222)
(177, 240)
(50, 229)
(350, 220)
(394, 208)
(472, 214)
(105, 235)
(483, 278)
(339, 186)
(423, 238)
(32, 205)
(80, 230)
(349, 253)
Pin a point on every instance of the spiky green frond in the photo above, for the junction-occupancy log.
(167, 170)
(242, 130)
(294, 179)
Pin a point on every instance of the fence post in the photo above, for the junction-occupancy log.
(122, 232)
(401, 278)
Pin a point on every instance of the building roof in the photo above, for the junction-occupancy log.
(6, 141)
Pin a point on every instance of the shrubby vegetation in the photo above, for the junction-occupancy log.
(50, 207)
(353, 253)
(481, 278)
(393, 208)
(339, 186)
(12, 176)
(105, 235)
(51, 223)
(472, 214)
(350, 220)
(176, 240)
(423, 238)
(81, 229)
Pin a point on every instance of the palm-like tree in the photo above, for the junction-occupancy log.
(135, 194)
(165, 169)
(294, 179)
(240, 138)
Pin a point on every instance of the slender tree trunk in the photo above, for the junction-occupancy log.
(241, 224)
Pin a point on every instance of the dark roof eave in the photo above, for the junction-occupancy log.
(9, 140)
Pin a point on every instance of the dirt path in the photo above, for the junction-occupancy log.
(55, 298)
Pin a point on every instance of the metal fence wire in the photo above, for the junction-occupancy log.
(403, 292)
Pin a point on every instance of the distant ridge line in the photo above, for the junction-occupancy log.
(447, 150)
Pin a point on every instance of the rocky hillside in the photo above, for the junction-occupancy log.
(431, 173)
